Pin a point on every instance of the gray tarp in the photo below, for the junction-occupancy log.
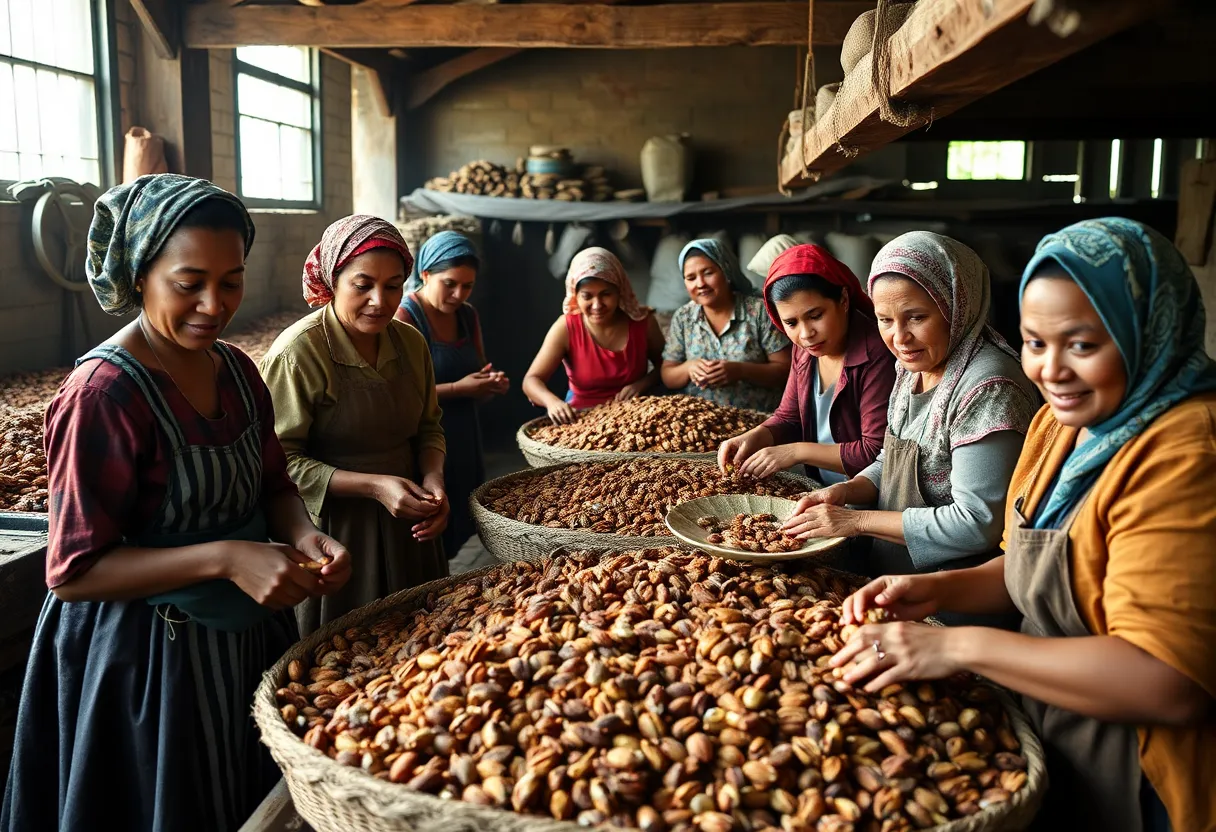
(549, 210)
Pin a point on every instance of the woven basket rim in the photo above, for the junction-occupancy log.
(304, 765)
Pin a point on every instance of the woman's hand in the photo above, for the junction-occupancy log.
(713, 373)
(404, 498)
(767, 461)
(900, 652)
(481, 384)
(906, 597)
(317, 547)
(630, 391)
(433, 526)
(822, 514)
(560, 412)
(270, 573)
(734, 452)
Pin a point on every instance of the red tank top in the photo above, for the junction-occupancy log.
(595, 374)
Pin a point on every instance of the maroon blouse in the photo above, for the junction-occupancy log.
(858, 416)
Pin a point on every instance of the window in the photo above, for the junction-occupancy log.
(986, 160)
(48, 91)
(278, 116)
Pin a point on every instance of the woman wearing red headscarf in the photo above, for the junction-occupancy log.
(357, 414)
(833, 414)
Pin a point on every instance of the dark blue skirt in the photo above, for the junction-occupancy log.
(130, 722)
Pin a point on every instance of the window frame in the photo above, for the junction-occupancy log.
(313, 89)
(105, 94)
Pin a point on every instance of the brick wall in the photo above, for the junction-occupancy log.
(32, 334)
(604, 104)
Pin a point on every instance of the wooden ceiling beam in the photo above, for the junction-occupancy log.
(426, 85)
(948, 54)
(385, 23)
(162, 23)
(384, 68)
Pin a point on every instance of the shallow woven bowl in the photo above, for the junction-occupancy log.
(682, 520)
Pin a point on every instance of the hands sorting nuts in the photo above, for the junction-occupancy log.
(659, 690)
(625, 498)
(749, 532)
(670, 424)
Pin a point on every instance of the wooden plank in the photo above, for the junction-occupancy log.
(948, 54)
(427, 84)
(1196, 203)
(162, 24)
(392, 23)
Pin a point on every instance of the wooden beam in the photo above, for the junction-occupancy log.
(427, 84)
(383, 67)
(162, 23)
(394, 23)
(948, 54)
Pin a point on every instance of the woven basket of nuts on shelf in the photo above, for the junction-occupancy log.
(613, 506)
(660, 689)
(672, 427)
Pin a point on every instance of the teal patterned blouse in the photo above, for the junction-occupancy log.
(749, 337)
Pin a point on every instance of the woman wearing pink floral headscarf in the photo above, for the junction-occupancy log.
(605, 339)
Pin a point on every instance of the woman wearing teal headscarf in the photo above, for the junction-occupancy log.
(1109, 543)
(722, 345)
(436, 304)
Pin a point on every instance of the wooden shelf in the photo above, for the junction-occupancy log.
(948, 54)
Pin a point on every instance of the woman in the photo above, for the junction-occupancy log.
(1108, 544)
(605, 339)
(958, 414)
(168, 599)
(721, 345)
(436, 304)
(834, 411)
(356, 411)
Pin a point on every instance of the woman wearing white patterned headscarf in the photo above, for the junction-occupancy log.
(958, 416)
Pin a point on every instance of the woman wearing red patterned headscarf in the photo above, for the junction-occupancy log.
(833, 414)
(356, 411)
(605, 339)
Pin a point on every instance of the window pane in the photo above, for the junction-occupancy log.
(44, 32)
(261, 177)
(73, 35)
(21, 18)
(10, 168)
(6, 41)
(273, 103)
(296, 160)
(986, 160)
(8, 112)
(289, 61)
(26, 85)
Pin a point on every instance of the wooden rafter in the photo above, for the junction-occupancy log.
(388, 23)
(383, 67)
(948, 54)
(162, 22)
(426, 85)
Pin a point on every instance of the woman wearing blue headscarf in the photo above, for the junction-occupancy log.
(436, 304)
(722, 345)
(1109, 543)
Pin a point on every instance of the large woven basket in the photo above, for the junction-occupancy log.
(511, 540)
(538, 454)
(337, 798)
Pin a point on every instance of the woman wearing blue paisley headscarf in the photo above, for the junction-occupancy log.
(436, 304)
(721, 345)
(167, 487)
(1109, 543)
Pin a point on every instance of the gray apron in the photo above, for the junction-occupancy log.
(900, 489)
(371, 430)
(1094, 765)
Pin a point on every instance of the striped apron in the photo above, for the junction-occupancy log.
(135, 715)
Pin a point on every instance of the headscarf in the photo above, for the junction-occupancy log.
(601, 264)
(342, 242)
(130, 225)
(723, 258)
(1150, 304)
(441, 247)
(957, 280)
(768, 252)
(818, 261)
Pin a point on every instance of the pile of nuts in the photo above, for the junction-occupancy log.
(666, 424)
(658, 690)
(627, 498)
(749, 532)
(22, 460)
